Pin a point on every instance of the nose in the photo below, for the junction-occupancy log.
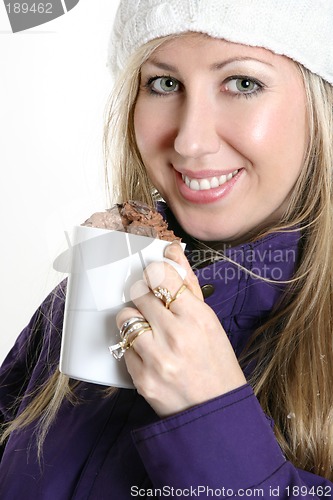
(197, 132)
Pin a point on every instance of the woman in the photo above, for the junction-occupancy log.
(226, 110)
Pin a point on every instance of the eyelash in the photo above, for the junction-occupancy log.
(254, 93)
(258, 90)
(151, 80)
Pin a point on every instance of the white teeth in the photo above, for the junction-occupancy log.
(204, 184)
(194, 185)
(209, 183)
(214, 183)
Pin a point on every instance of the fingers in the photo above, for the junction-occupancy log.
(159, 299)
(132, 329)
(175, 252)
(127, 313)
(165, 276)
(167, 292)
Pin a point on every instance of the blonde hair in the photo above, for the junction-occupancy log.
(128, 173)
(293, 377)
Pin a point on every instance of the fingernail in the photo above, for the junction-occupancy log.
(178, 241)
(171, 250)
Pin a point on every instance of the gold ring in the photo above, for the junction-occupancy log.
(135, 326)
(136, 335)
(132, 327)
(180, 291)
(128, 323)
(165, 295)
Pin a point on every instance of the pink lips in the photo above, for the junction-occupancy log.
(206, 196)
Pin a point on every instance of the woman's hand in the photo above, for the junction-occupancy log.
(186, 358)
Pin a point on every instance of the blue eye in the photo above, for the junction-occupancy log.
(163, 85)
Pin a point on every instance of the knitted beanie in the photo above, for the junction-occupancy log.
(299, 29)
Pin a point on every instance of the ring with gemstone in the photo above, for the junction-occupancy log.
(166, 296)
(128, 323)
(133, 326)
(130, 326)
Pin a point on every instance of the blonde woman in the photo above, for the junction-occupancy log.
(222, 110)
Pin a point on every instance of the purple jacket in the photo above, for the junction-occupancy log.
(117, 448)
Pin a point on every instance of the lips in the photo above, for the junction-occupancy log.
(206, 183)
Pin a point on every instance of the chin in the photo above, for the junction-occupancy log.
(210, 228)
(209, 237)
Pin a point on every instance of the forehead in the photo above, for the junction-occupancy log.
(201, 47)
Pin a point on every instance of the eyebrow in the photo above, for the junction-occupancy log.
(213, 67)
(220, 65)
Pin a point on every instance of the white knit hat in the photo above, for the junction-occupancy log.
(299, 29)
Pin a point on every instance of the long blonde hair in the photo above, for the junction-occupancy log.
(293, 378)
(294, 373)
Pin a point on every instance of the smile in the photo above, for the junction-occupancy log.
(207, 183)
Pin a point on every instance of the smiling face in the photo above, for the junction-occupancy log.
(222, 131)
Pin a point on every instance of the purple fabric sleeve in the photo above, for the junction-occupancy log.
(22, 366)
(225, 445)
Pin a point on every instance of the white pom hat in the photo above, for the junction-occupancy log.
(299, 29)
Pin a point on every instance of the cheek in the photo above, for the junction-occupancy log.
(274, 136)
(272, 129)
(142, 131)
(154, 129)
(150, 137)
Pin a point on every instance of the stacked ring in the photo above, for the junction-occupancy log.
(130, 342)
(127, 323)
(165, 295)
(130, 330)
(131, 326)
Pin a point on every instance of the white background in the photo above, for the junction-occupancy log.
(54, 86)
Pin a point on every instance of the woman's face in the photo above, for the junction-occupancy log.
(222, 130)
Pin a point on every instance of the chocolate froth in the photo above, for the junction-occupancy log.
(133, 217)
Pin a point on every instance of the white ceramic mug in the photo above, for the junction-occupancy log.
(102, 266)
